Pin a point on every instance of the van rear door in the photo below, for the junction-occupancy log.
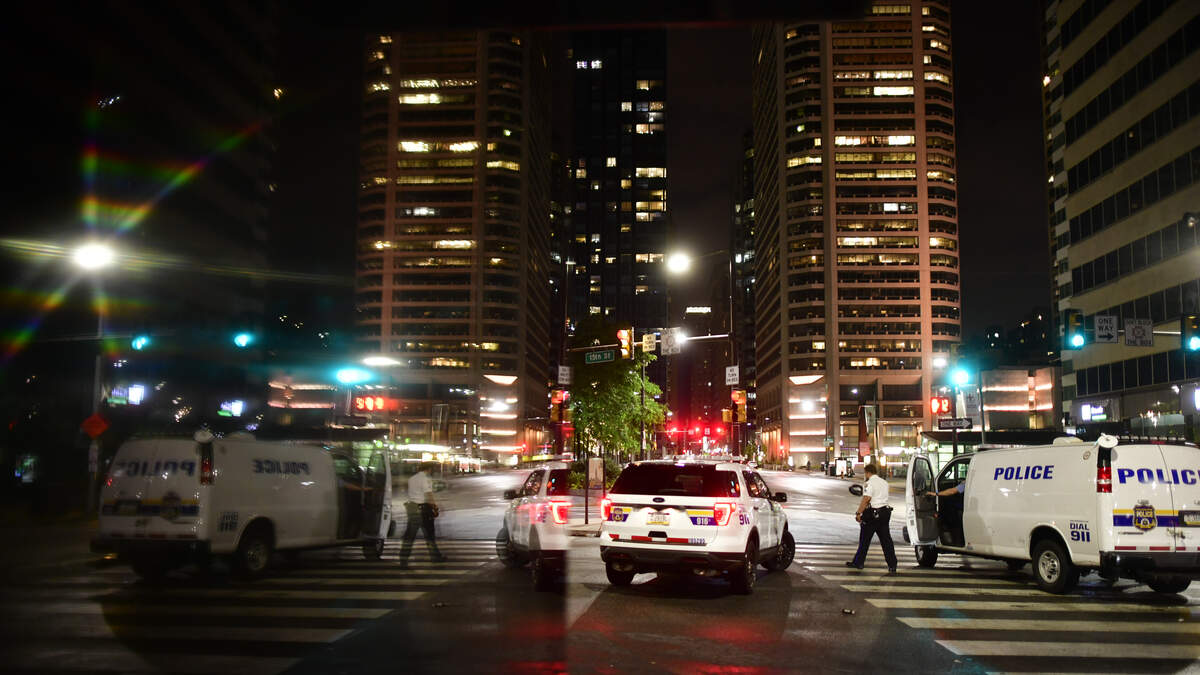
(1143, 508)
(153, 490)
(1183, 464)
(921, 516)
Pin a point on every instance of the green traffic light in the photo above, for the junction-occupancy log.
(140, 342)
(1077, 340)
(243, 340)
(960, 376)
(1193, 343)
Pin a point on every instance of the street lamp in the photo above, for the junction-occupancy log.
(960, 376)
(93, 257)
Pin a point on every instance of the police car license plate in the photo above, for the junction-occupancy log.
(658, 518)
(1190, 518)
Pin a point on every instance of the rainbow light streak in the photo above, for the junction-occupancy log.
(14, 341)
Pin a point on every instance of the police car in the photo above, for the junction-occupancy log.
(535, 524)
(701, 517)
(1128, 511)
(170, 501)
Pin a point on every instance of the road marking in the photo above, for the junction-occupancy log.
(1035, 606)
(934, 590)
(1138, 650)
(403, 579)
(91, 659)
(198, 610)
(925, 579)
(963, 623)
(97, 627)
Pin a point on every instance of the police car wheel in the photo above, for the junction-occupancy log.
(746, 574)
(618, 577)
(504, 549)
(1052, 567)
(926, 555)
(784, 554)
(1168, 583)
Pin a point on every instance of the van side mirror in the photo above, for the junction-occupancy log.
(856, 490)
(780, 497)
(510, 494)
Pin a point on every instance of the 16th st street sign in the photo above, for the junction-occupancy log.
(600, 356)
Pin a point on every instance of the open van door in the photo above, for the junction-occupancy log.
(922, 509)
(377, 505)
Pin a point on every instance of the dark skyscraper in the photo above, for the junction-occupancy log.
(618, 232)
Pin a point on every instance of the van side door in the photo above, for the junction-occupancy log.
(527, 506)
(377, 498)
(921, 518)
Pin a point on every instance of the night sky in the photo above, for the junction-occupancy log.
(1001, 176)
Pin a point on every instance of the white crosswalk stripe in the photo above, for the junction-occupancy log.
(110, 620)
(977, 608)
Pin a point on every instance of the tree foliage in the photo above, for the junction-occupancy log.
(606, 398)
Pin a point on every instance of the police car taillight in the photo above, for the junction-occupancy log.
(561, 511)
(605, 508)
(206, 464)
(1104, 479)
(722, 511)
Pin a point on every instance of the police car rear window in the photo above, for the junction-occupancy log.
(681, 481)
(558, 485)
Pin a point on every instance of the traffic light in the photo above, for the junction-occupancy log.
(1189, 332)
(939, 405)
(1073, 333)
(139, 342)
(243, 340)
(625, 341)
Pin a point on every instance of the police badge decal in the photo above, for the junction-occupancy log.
(1144, 517)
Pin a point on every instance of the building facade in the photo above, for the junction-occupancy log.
(1122, 122)
(742, 247)
(618, 222)
(453, 237)
(856, 247)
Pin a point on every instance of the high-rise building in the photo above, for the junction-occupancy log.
(618, 233)
(453, 237)
(856, 260)
(1122, 124)
(742, 247)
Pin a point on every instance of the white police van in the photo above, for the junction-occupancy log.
(1072, 507)
(168, 501)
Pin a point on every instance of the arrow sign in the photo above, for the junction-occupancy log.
(954, 423)
(1106, 328)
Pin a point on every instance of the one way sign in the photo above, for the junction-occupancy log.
(1106, 328)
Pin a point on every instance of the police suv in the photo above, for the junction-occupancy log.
(535, 524)
(702, 517)
(1072, 507)
(169, 501)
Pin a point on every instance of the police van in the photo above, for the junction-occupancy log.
(1070, 508)
(168, 501)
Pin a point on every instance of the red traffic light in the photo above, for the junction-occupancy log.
(375, 403)
(939, 405)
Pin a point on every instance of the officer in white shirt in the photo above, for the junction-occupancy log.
(874, 515)
(420, 508)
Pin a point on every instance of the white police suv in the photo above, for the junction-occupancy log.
(703, 517)
(535, 524)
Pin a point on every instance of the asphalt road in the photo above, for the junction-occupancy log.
(334, 612)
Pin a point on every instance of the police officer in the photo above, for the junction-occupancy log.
(874, 515)
(420, 508)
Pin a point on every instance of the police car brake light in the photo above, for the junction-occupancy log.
(605, 508)
(1104, 479)
(722, 511)
(561, 511)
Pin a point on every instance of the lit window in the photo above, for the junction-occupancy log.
(597, 64)
(278, 92)
(596, 238)
(464, 146)
(890, 207)
(938, 44)
(626, 227)
(420, 99)
(893, 74)
(849, 140)
(934, 76)
(852, 75)
(595, 258)
(378, 86)
(581, 239)
(385, 39)
(650, 172)
(595, 185)
(414, 146)
(610, 260)
(380, 180)
(893, 91)
(626, 106)
(801, 161)
(581, 65)
(902, 140)
(626, 183)
(818, 345)
(453, 244)
(648, 128)
(581, 173)
(611, 161)
(638, 290)
(592, 309)
(926, 59)
(503, 164)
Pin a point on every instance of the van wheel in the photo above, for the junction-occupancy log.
(1052, 567)
(926, 555)
(1168, 583)
(504, 549)
(784, 554)
(254, 551)
(373, 550)
(150, 566)
(746, 574)
(618, 577)
(1014, 565)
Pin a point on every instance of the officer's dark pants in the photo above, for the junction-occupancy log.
(419, 516)
(875, 522)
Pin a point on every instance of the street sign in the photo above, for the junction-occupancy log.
(1139, 333)
(1105, 328)
(600, 356)
(971, 403)
(946, 423)
(672, 341)
(595, 473)
(94, 426)
(731, 375)
(647, 343)
(564, 375)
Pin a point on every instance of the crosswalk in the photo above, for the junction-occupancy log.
(106, 620)
(1001, 622)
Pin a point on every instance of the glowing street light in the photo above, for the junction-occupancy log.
(678, 263)
(94, 256)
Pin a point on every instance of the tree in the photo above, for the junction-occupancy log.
(606, 399)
